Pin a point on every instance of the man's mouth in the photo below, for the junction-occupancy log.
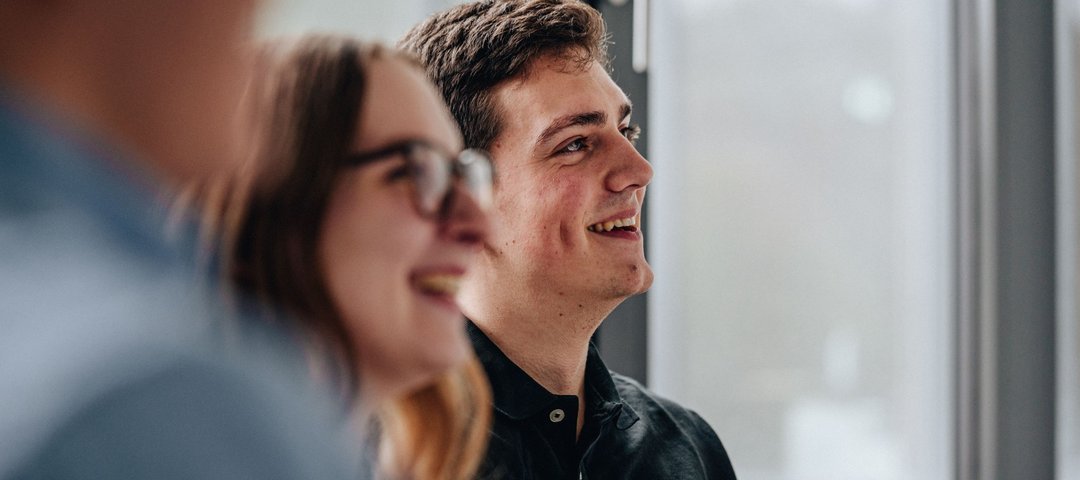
(623, 224)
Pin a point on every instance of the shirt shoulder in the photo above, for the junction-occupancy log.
(189, 418)
(674, 426)
(110, 337)
(650, 406)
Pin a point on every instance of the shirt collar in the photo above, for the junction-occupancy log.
(518, 396)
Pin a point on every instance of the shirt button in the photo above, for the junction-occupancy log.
(557, 415)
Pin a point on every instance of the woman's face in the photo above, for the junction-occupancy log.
(392, 273)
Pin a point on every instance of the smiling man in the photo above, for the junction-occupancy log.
(527, 81)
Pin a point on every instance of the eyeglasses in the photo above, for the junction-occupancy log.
(433, 172)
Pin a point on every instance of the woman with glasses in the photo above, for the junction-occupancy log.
(356, 215)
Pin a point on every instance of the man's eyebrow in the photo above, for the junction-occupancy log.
(572, 120)
(576, 119)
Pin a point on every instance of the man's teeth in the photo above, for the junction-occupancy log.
(439, 284)
(608, 226)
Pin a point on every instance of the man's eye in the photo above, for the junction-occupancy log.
(632, 133)
(575, 146)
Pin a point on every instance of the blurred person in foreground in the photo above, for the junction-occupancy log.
(527, 81)
(107, 365)
(356, 213)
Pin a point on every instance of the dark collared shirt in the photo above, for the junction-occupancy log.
(629, 433)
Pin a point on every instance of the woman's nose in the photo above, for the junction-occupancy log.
(464, 219)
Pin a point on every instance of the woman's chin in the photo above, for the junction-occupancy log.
(431, 361)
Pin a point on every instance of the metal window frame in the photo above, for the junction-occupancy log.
(1067, 38)
(1005, 239)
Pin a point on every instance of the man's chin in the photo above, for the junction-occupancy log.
(647, 279)
(637, 283)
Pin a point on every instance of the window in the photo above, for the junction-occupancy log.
(801, 231)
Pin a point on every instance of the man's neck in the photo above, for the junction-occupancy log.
(549, 340)
(544, 331)
(553, 356)
(553, 353)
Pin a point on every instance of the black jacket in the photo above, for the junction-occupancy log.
(629, 433)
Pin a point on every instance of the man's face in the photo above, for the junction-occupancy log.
(567, 175)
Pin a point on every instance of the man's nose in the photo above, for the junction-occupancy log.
(629, 170)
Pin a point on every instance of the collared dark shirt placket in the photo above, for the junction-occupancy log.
(628, 432)
(602, 417)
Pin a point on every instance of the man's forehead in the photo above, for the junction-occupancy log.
(551, 91)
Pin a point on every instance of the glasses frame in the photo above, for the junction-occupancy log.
(464, 168)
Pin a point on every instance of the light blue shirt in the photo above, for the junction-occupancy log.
(108, 364)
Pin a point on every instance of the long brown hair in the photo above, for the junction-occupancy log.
(302, 111)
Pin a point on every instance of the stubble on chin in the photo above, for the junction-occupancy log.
(636, 279)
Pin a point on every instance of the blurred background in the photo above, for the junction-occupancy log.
(833, 226)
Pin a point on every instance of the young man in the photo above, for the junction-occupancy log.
(526, 80)
(106, 367)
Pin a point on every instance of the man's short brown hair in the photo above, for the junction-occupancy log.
(470, 49)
